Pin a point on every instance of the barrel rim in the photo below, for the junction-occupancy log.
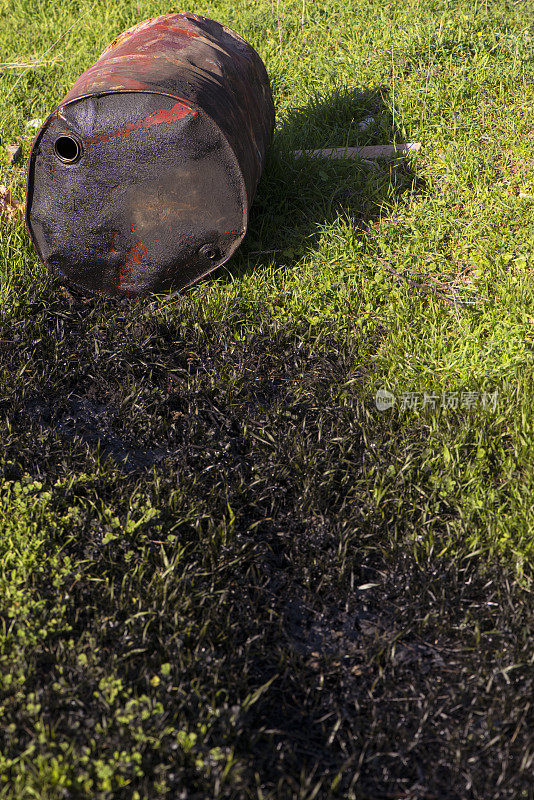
(29, 187)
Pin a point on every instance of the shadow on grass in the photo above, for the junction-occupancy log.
(312, 647)
(299, 197)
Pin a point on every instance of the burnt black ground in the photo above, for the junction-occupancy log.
(309, 631)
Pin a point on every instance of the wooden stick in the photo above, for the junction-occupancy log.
(373, 151)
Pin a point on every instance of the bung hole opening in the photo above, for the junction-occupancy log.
(67, 149)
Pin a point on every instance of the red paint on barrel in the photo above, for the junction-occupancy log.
(162, 24)
(164, 115)
(165, 28)
(135, 255)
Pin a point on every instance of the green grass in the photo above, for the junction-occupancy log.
(224, 572)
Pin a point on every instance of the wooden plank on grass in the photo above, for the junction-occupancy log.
(373, 151)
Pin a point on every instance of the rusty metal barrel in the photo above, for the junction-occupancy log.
(142, 178)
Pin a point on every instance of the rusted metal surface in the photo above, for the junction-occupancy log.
(142, 178)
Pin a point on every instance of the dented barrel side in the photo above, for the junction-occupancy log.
(142, 178)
